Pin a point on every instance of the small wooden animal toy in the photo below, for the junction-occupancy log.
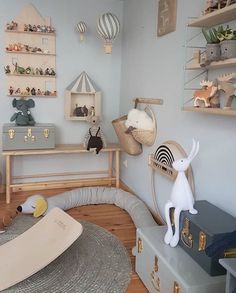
(226, 85)
(7, 69)
(207, 91)
(181, 196)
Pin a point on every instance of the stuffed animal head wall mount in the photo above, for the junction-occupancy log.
(22, 115)
(35, 204)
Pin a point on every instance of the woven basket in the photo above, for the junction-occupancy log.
(146, 137)
(127, 141)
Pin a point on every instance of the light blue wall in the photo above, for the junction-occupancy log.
(153, 67)
(72, 58)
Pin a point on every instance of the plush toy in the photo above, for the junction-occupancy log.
(22, 115)
(139, 119)
(95, 137)
(40, 206)
(6, 219)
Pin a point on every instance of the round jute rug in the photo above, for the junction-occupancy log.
(97, 262)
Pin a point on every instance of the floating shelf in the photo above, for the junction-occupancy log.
(223, 15)
(215, 64)
(29, 53)
(31, 75)
(30, 96)
(33, 33)
(215, 111)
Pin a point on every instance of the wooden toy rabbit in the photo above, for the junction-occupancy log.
(181, 196)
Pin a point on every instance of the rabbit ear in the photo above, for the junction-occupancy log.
(194, 151)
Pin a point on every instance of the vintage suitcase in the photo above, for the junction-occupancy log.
(201, 230)
(40, 136)
(170, 270)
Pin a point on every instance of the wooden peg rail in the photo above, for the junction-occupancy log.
(148, 101)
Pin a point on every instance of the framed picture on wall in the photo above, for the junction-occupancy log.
(166, 21)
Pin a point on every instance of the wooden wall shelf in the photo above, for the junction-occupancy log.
(30, 53)
(30, 33)
(31, 96)
(216, 17)
(215, 64)
(215, 111)
(31, 75)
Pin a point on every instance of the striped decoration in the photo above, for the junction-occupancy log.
(166, 154)
(81, 27)
(82, 84)
(108, 26)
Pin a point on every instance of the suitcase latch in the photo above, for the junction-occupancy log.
(230, 253)
(155, 264)
(140, 245)
(202, 241)
(29, 135)
(186, 236)
(46, 133)
(11, 133)
(156, 283)
(176, 288)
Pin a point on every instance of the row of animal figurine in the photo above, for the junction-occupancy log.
(19, 47)
(13, 26)
(29, 70)
(30, 92)
(212, 5)
(209, 94)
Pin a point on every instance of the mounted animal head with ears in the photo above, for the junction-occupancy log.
(183, 164)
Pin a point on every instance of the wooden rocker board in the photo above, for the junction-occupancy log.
(37, 247)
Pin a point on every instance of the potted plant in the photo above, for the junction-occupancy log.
(213, 44)
(227, 38)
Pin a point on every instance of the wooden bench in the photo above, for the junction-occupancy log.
(64, 149)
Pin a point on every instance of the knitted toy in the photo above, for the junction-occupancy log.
(95, 137)
(22, 115)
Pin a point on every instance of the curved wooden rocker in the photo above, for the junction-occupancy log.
(37, 247)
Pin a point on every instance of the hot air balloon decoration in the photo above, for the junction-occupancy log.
(108, 27)
(81, 27)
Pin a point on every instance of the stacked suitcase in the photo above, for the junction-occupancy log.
(185, 268)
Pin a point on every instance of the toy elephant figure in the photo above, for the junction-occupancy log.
(22, 115)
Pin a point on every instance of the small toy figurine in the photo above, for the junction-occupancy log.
(52, 72)
(91, 111)
(33, 91)
(39, 93)
(95, 137)
(7, 69)
(47, 72)
(28, 90)
(11, 90)
(18, 91)
(25, 27)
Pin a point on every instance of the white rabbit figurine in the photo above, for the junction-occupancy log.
(181, 196)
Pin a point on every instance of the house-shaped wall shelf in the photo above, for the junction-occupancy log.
(30, 49)
(82, 99)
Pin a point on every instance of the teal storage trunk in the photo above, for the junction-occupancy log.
(201, 230)
(165, 269)
(40, 136)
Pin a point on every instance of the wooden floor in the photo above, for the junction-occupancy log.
(110, 217)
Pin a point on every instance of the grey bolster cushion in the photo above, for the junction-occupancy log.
(136, 208)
